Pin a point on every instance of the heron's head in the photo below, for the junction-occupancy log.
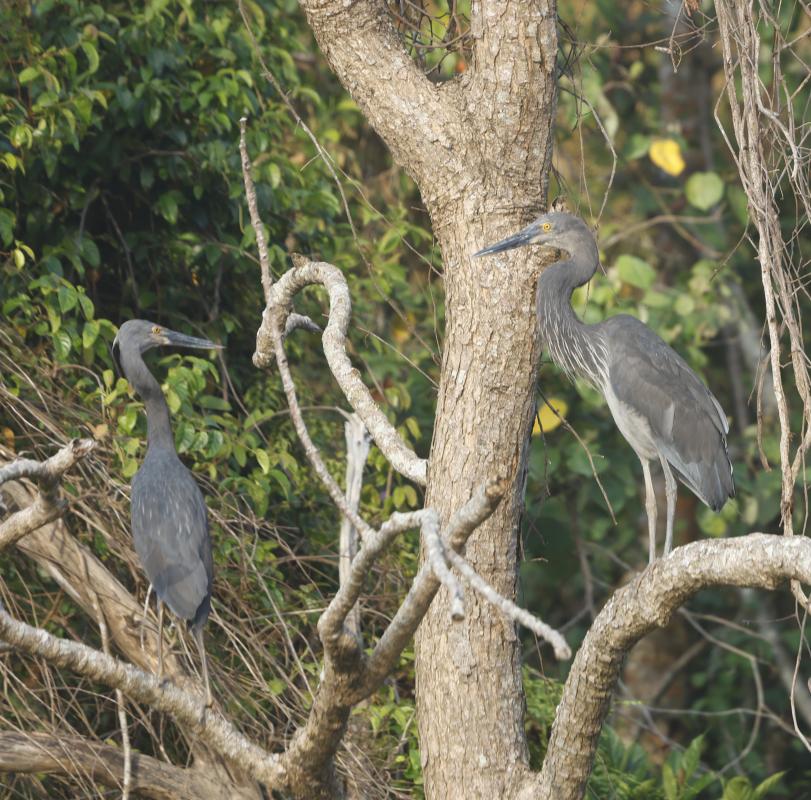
(555, 229)
(141, 335)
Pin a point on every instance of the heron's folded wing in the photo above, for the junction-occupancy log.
(686, 421)
(170, 533)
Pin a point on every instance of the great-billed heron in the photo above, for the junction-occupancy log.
(659, 404)
(169, 517)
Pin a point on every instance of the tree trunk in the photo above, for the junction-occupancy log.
(469, 692)
(479, 148)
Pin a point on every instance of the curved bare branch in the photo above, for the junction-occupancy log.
(186, 708)
(306, 273)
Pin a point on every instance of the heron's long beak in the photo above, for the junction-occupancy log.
(175, 339)
(532, 234)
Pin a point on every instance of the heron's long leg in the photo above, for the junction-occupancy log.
(650, 507)
(146, 610)
(160, 639)
(670, 492)
(198, 637)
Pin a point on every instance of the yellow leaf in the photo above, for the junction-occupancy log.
(401, 328)
(547, 420)
(666, 154)
(8, 437)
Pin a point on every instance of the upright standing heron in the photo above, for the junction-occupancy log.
(169, 518)
(659, 404)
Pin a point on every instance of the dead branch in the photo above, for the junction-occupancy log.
(307, 273)
(510, 610)
(27, 753)
(358, 443)
(186, 708)
(48, 505)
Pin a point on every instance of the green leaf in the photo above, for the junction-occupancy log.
(152, 112)
(28, 74)
(410, 495)
(90, 252)
(173, 400)
(263, 459)
(635, 271)
(126, 422)
(7, 221)
(684, 305)
(689, 761)
(669, 783)
(168, 206)
(87, 306)
(90, 333)
(282, 480)
(92, 57)
(68, 297)
(738, 788)
(129, 468)
(762, 788)
(704, 190)
(62, 344)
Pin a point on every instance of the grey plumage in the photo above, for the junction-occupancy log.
(660, 405)
(170, 534)
(168, 512)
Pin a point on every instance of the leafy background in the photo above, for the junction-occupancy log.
(121, 196)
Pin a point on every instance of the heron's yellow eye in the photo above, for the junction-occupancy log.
(547, 226)
(157, 329)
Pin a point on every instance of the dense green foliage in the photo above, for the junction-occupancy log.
(121, 196)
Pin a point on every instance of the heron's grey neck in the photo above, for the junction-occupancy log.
(158, 428)
(575, 347)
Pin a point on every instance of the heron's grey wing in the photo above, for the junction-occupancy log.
(687, 423)
(170, 533)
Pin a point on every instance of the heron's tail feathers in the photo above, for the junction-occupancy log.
(712, 481)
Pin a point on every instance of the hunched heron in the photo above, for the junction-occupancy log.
(659, 404)
(169, 517)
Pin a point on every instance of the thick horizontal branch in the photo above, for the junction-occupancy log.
(47, 506)
(186, 708)
(26, 753)
(306, 273)
(759, 560)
